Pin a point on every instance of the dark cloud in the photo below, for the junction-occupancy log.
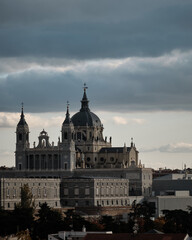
(135, 84)
(37, 37)
(94, 29)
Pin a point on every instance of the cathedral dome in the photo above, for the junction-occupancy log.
(85, 117)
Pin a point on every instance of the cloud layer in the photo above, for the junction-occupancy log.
(181, 147)
(134, 55)
(10, 120)
(86, 29)
(129, 84)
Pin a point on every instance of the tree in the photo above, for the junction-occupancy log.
(190, 221)
(23, 212)
(27, 200)
(49, 221)
(5, 220)
(176, 221)
(142, 212)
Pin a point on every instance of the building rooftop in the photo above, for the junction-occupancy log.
(140, 236)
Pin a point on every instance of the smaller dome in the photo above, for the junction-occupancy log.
(43, 133)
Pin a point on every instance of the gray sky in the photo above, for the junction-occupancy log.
(135, 57)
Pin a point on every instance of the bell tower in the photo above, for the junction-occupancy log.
(68, 157)
(22, 142)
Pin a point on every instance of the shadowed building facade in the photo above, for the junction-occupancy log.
(81, 146)
(81, 159)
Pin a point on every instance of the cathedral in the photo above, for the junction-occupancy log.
(81, 170)
(81, 145)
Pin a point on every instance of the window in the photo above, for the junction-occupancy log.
(20, 137)
(65, 166)
(65, 135)
(87, 203)
(76, 191)
(14, 192)
(66, 191)
(8, 205)
(33, 191)
(55, 192)
(97, 191)
(102, 191)
(78, 135)
(87, 191)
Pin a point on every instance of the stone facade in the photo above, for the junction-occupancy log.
(81, 145)
(82, 192)
(43, 190)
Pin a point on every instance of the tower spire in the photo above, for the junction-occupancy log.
(67, 118)
(84, 101)
(22, 116)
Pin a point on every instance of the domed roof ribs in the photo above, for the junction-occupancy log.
(22, 121)
(84, 101)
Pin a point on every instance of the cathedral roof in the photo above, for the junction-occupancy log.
(114, 150)
(85, 117)
(22, 121)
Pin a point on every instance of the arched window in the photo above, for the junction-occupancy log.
(78, 135)
(20, 137)
(65, 135)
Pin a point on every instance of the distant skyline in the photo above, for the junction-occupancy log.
(134, 56)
